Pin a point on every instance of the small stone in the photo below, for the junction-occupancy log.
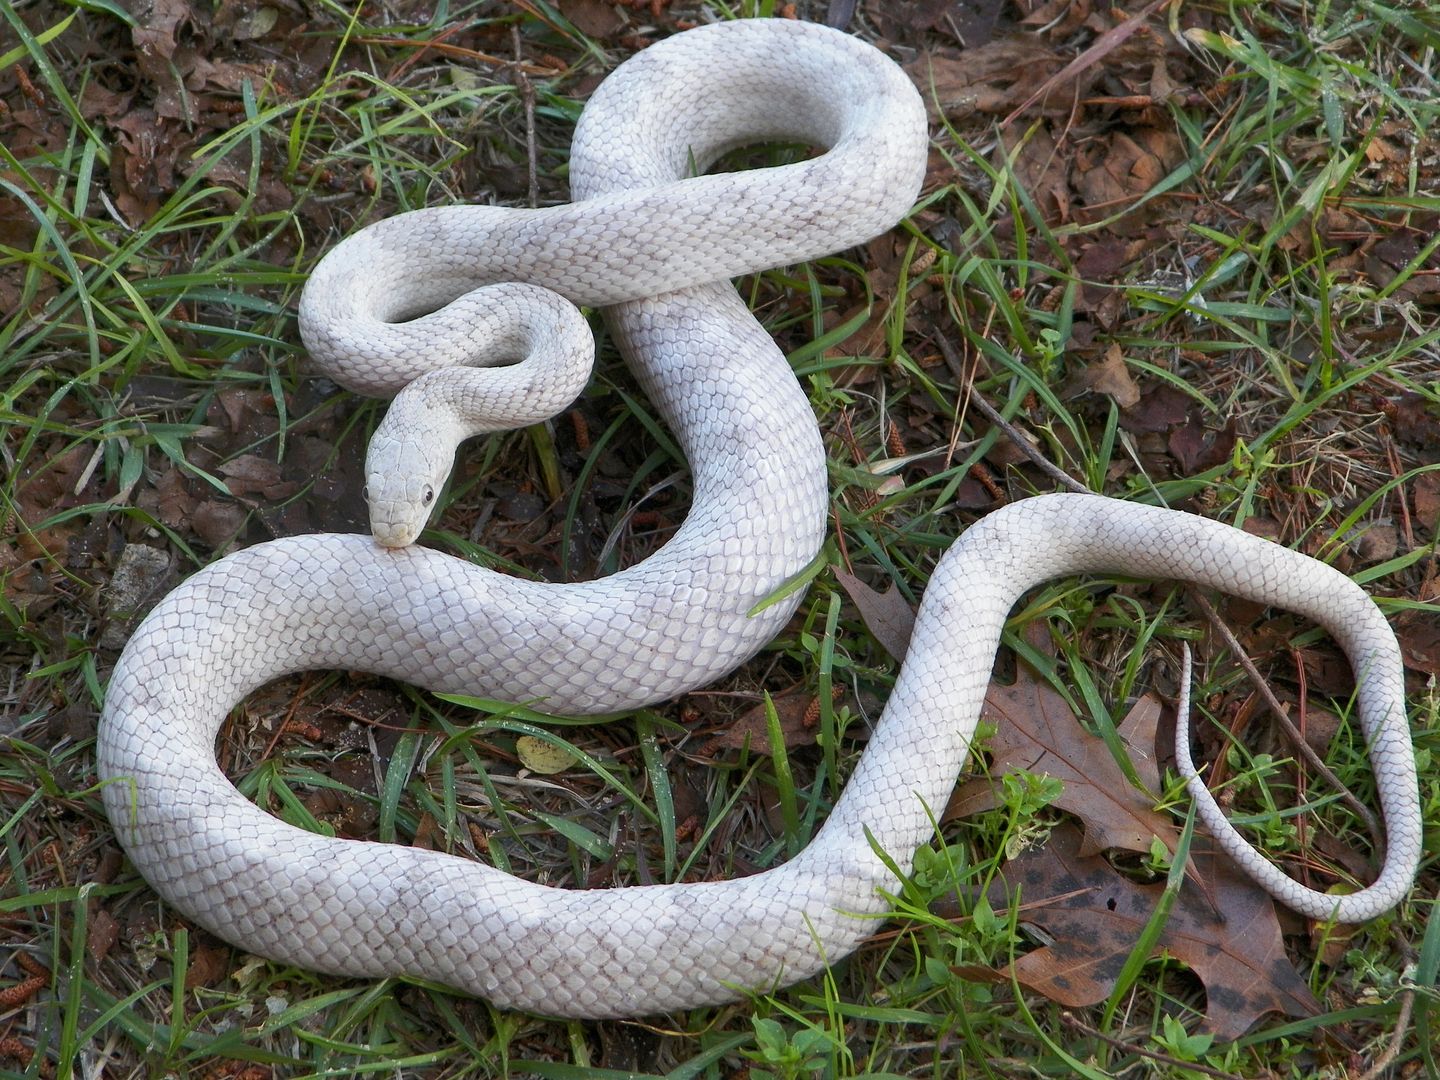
(141, 578)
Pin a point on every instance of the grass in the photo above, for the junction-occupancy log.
(149, 345)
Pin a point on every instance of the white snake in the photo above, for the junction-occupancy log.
(641, 228)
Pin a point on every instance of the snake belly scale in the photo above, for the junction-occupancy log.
(656, 246)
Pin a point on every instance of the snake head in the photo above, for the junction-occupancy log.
(409, 459)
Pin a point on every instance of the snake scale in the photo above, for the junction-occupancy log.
(406, 301)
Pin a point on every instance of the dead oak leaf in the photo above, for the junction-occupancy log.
(250, 474)
(1037, 732)
(1414, 421)
(1196, 449)
(168, 497)
(1094, 916)
(103, 932)
(209, 965)
(594, 18)
(1034, 155)
(143, 162)
(161, 59)
(1114, 174)
(993, 78)
(796, 713)
(157, 25)
(217, 522)
(1159, 410)
(1109, 376)
(887, 615)
(1419, 643)
(1058, 19)
(909, 19)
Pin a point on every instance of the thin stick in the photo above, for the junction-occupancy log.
(1011, 432)
(527, 97)
(1387, 1057)
(1069, 1019)
(1302, 747)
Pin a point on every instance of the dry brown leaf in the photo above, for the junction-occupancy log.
(143, 162)
(1039, 166)
(1110, 375)
(594, 18)
(1121, 170)
(1420, 643)
(209, 966)
(975, 22)
(250, 474)
(1158, 410)
(991, 79)
(162, 60)
(98, 102)
(168, 498)
(1036, 731)
(101, 933)
(888, 615)
(157, 24)
(1415, 421)
(1058, 18)
(43, 487)
(1197, 450)
(1095, 916)
(351, 815)
(1378, 543)
(1079, 69)
(1102, 260)
(1100, 267)
(752, 729)
(217, 522)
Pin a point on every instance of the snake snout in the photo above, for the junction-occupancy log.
(402, 479)
(390, 534)
(397, 514)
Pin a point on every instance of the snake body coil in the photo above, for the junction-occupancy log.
(656, 245)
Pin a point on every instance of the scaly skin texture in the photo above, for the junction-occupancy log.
(637, 232)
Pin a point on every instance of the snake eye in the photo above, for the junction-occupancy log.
(365, 493)
(429, 495)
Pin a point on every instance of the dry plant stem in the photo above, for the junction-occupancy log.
(1301, 746)
(1039, 460)
(1070, 1020)
(1105, 44)
(1014, 434)
(527, 95)
(456, 51)
(1387, 1057)
(421, 49)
